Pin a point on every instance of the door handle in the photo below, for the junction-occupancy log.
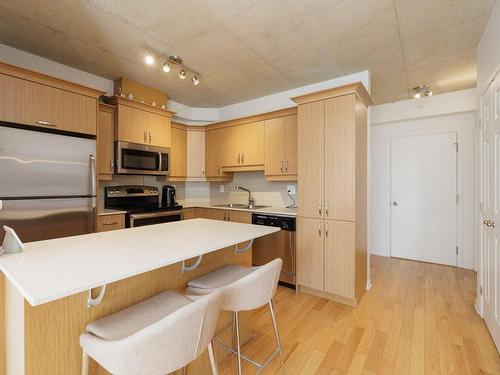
(239, 159)
(243, 158)
(282, 166)
(326, 208)
(326, 230)
(395, 203)
(112, 165)
(319, 230)
(149, 137)
(145, 136)
(320, 207)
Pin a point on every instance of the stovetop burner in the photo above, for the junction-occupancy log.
(135, 199)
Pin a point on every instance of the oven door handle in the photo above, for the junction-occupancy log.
(134, 217)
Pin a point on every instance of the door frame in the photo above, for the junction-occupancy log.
(458, 189)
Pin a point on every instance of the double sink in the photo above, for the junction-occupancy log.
(239, 205)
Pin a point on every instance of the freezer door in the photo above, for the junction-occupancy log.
(43, 219)
(36, 164)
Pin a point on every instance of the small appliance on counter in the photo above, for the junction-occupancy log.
(142, 204)
(168, 200)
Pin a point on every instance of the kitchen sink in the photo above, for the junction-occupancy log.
(239, 205)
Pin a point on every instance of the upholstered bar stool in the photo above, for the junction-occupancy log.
(155, 337)
(242, 289)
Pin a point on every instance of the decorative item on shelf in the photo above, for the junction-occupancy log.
(130, 96)
(120, 92)
(163, 106)
(153, 104)
(422, 90)
(142, 101)
(173, 61)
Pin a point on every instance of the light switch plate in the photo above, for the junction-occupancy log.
(221, 188)
(291, 189)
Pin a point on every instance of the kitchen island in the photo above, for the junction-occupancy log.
(46, 287)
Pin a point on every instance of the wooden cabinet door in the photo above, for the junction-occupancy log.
(132, 125)
(340, 153)
(212, 153)
(16, 101)
(210, 213)
(230, 146)
(178, 153)
(105, 141)
(274, 139)
(107, 223)
(252, 143)
(188, 213)
(239, 216)
(290, 141)
(310, 253)
(77, 113)
(196, 154)
(311, 155)
(339, 258)
(159, 130)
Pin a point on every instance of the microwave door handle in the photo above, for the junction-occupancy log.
(160, 161)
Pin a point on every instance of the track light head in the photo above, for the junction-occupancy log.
(182, 74)
(195, 80)
(166, 67)
(149, 60)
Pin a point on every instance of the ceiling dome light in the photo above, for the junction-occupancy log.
(149, 60)
(182, 74)
(166, 67)
(195, 80)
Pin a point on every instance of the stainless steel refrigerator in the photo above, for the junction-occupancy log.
(47, 184)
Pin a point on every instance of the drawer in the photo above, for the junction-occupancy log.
(110, 222)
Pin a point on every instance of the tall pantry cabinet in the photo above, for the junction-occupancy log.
(332, 193)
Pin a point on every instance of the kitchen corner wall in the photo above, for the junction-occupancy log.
(264, 192)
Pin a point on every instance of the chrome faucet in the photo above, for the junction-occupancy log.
(251, 201)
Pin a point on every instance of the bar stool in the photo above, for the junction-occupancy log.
(242, 289)
(154, 337)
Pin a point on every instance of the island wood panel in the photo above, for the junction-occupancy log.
(2, 324)
(311, 159)
(340, 152)
(52, 330)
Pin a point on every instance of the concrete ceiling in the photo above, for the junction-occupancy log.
(245, 49)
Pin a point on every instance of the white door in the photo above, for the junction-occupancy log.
(490, 199)
(423, 198)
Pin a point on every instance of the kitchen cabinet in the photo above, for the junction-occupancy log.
(214, 149)
(107, 223)
(243, 147)
(332, 192)
(281, 148)
(41, 101)
(105, 141)
(188, 213)
(142, 123)
(196, 153)
(178, 153)
(225, 215)
(210, 213)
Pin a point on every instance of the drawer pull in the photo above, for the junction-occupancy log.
(46, 123)
(113, 223)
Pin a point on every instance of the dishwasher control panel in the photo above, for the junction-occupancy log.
(283, 222)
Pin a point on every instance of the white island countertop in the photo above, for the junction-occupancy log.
(50, 270)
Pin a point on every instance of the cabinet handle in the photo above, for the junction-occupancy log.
(228, 216)
(320, 207)
(319, 230)
(282, 166)
(46, 123)
(218, 170)
(225, 216)
(286, 167)
(112, 165)
(243, 158)
(326, 229)
(145, 136)
(239, 159)
(113, 223)
(149, 137)
(326, 208)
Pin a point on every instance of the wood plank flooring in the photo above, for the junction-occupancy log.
(418, 318)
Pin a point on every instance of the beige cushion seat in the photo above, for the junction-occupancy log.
(132, 319)
(220, 277)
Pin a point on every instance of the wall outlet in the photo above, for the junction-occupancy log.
(291, 189)
(221, 188)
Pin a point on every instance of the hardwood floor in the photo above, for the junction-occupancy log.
(418, 318)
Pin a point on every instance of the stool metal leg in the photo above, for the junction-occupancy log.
(238, 346)
(213, 362)
(85, 363)
(276, 334)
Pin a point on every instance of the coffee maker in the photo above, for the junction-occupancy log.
(168, 197)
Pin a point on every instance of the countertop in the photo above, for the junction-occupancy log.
(53, 269)
(268, 210)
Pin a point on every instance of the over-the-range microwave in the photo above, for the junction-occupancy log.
(135, 158)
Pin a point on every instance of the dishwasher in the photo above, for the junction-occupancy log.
(277, 245)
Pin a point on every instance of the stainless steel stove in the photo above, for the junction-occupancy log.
(142, 204)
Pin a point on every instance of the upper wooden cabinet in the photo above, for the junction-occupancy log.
(243, 146)
(196, 153)
(142, 123)
(178, 153)
(46, 102)
(281, 148)
(105, 141)
(332, 192)
(215, 140)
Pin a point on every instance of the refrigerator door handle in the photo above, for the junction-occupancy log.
(93, 176)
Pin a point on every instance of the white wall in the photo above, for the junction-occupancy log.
(440, 113)
(488, 52)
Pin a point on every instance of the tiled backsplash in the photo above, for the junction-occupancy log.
(264, 192)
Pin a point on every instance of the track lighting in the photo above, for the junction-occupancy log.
(166, 67)
(424, 90)
(149, 60)
(182, 74)
(195, 80)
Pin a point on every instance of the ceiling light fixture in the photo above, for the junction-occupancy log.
(166, 67)
(424, 90)
(195, 80)
(182, 73)
(149, 60)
